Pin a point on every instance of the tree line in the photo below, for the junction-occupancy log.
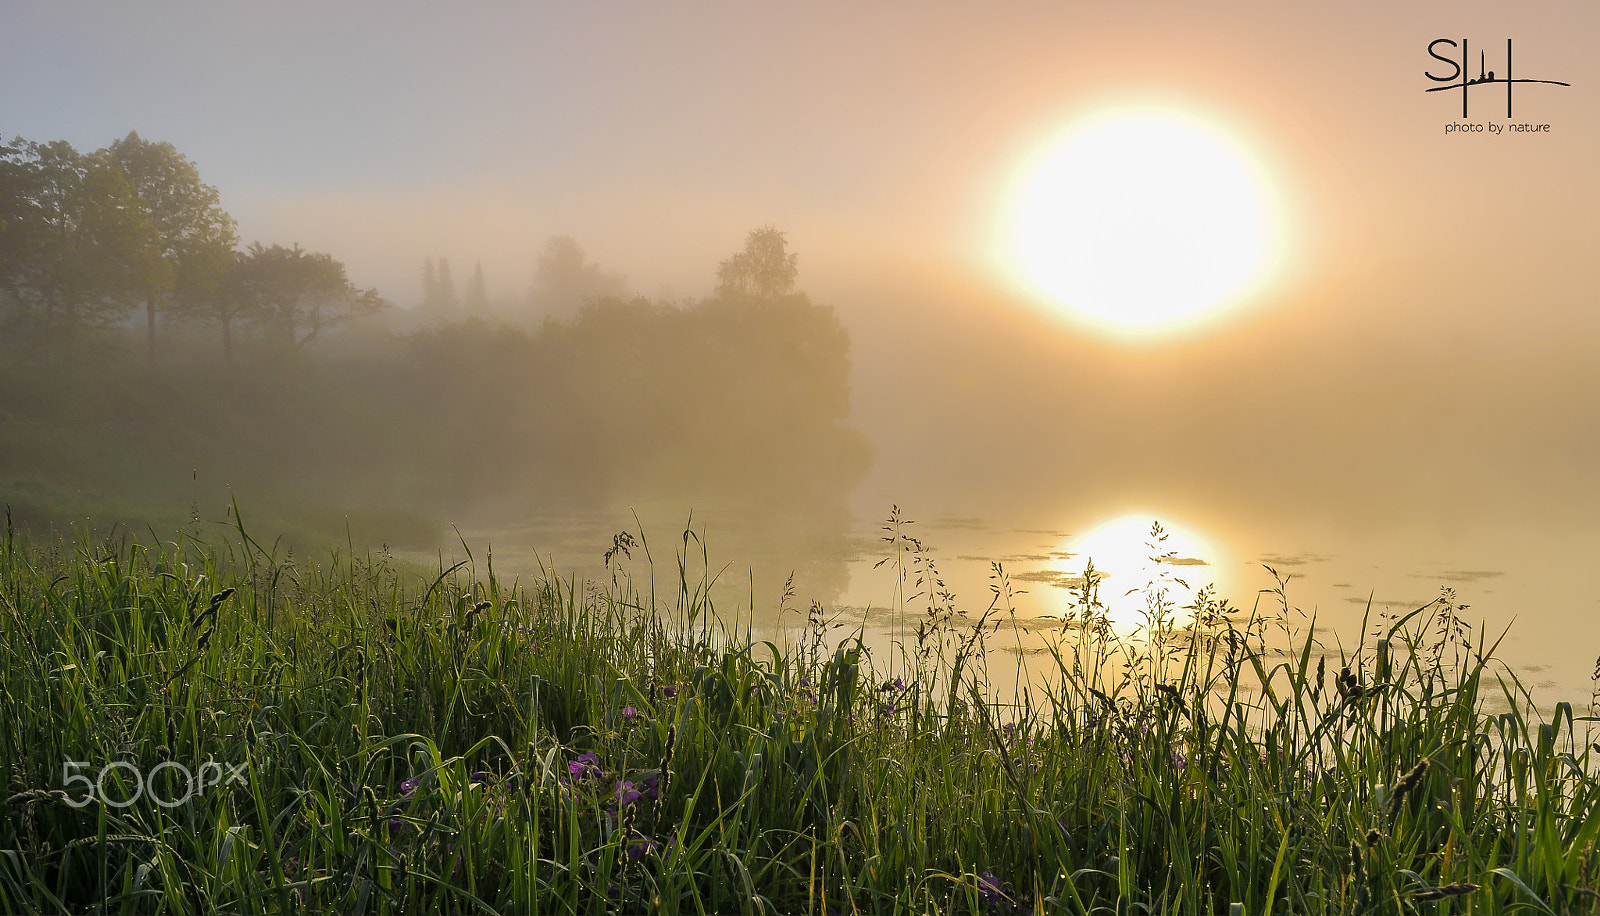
(742, 396)
(89, 239)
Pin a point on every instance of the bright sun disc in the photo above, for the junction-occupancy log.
(1142, 222)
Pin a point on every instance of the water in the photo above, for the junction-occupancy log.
(1528, 581)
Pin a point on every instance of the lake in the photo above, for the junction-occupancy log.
(1529, 578)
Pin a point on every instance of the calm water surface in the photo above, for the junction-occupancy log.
(1533, 580)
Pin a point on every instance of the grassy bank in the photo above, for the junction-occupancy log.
(349, 736)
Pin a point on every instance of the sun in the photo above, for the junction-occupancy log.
(1141, 222)
(1130, 562)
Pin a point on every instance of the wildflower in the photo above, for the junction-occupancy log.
(627, 794)
(652, 786)
(989, 887)
(629, 714)
(670, 692)
(1178, 761)
(805, 682)
(409, 787)
(585, 766)
(641, 846)
(480, 777)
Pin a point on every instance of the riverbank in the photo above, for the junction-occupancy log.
(200, 726)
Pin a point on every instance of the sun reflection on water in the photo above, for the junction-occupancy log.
(1138, 558)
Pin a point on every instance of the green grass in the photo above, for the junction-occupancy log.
(452, 742)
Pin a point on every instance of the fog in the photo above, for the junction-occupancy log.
(1419, 363)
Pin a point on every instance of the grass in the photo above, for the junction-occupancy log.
(452, 742)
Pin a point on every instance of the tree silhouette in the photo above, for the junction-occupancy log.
(287, 289)
(77, 246)
(765, 269)
(477, 301)
(186, 212)
(565, 279)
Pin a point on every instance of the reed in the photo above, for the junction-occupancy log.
(453, 742)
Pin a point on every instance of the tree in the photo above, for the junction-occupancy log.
(286, 290)
(565, 280)
(209, 287)
(185, 211)
(430, 282)
(477, 301)
(77, 246)
(765, 269)
(446, 287)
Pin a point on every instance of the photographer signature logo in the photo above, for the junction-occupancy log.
(1458, 77)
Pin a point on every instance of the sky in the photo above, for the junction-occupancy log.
(1426, 337)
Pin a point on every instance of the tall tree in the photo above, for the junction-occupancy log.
(565, 279)
(430, 283)
(446, 287)
(77, 247)
(186, 212)
(477, 301)
(765, 269)
(288, 290)
(210, 288)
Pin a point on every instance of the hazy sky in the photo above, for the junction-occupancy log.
(1435, 286)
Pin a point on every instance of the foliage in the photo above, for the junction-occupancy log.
(451, 743)
(765, 269)
(286, 290)
(191, 226)
(565, 279)
(78, 248)
(84, 237)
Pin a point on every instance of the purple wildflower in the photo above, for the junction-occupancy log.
(629, 714)
(805, 682)
(641, 846)
(409, 787)
(627, 794)
(989, 887)
(1178, 762)
(585, 766)
(480, 777)
(652, 786)
(670, 692)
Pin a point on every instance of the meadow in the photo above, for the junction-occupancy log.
(210, 724)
